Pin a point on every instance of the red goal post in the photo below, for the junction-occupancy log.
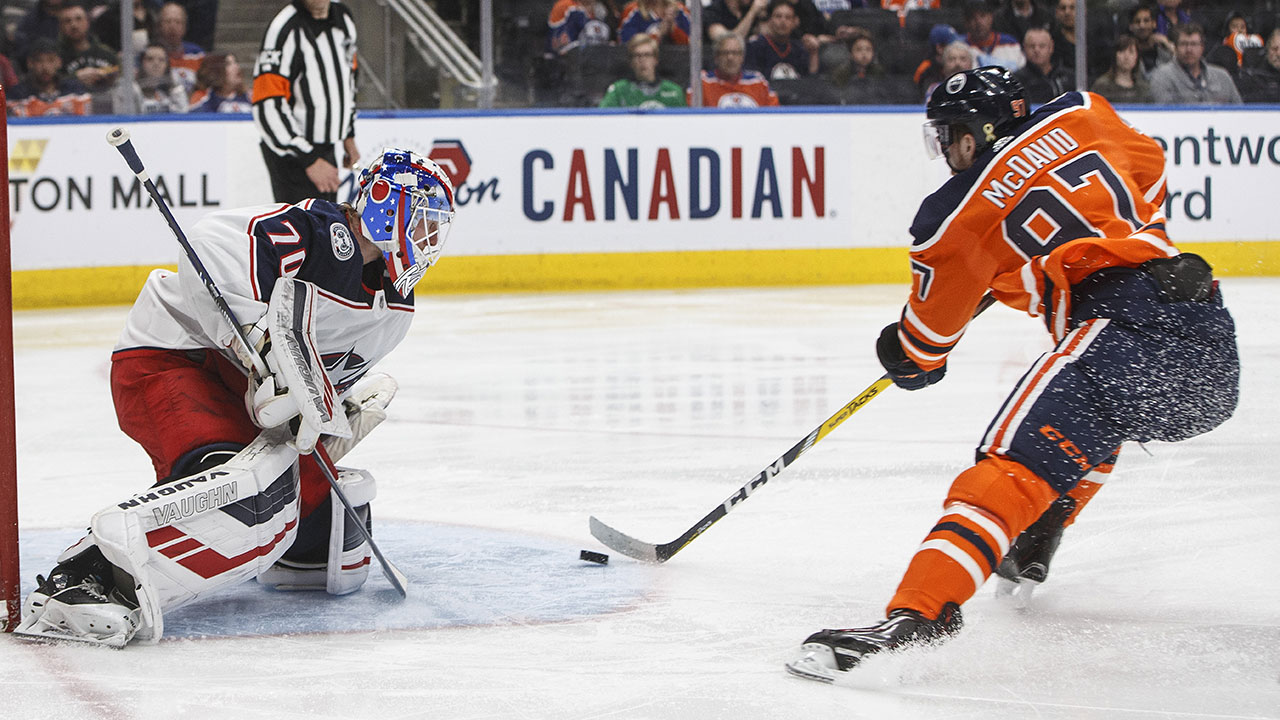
(9, 577)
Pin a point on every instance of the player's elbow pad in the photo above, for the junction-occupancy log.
(901, 369)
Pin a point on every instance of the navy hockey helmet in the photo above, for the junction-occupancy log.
(405, 203)
(988, 102)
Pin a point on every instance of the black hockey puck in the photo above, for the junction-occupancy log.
(595, 557)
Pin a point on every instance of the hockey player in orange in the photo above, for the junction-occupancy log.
(1058, 214)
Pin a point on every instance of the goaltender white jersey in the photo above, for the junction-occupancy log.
(359, 316)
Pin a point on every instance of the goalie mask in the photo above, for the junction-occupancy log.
(405, 203)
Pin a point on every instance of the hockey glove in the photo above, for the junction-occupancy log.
(902, 370)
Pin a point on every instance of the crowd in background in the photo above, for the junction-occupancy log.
(761, 52)
(62, 57)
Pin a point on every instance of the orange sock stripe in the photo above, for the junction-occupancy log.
(965, 536)
(989, 526)
(939, 573)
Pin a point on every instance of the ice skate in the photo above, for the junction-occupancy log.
(78, 602)
(828, 653)
(1026, 565)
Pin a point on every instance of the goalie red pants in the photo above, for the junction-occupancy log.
(177, 402)
(1134, 367)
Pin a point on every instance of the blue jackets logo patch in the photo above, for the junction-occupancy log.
(344, 246)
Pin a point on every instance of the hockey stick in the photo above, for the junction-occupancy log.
(648, 552)
(119, 139)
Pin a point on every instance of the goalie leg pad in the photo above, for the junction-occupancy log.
(331, 553)
(207, 531)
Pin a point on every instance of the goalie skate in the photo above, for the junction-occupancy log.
(827, 654)
(78, 602)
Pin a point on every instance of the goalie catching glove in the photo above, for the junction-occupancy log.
(902, 370)
(297, 385)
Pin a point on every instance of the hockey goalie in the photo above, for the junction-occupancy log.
(327, 290)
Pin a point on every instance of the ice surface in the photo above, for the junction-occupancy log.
(521, 415)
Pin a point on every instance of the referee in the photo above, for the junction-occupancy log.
(304, 98)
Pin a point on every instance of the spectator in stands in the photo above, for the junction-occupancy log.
(1101, 32)
(156, 89)
(579, 22)
(729, 85)
(1124, 81)
(774, 53)
(811, 29)
(1154, 49)
(929, 72)
(732, 16)
(1261, 84)
(1042, 78)
(106, 26)
(1169, 15)
(646, 91)
(83, 55)
(45, 90)
(220, 86)
(202, 21)
(1189, 79)
(861, 63)
(184, 57)
(1016, 17)
(1236, 42)
(956, 57)
(862, 81)
(1063, 32)
(666, 20)
(40, 21)
(991, 47)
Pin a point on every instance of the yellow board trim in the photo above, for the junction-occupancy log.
(613, 271)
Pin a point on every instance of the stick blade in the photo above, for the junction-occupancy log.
(397, 578)
(624, 544)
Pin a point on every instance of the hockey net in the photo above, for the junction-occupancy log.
(9, 576)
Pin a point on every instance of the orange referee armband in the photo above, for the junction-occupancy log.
(270, 85)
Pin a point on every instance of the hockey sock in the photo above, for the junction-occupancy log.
(1084, 490)
(988, 504)
(313, 488)
(1082, 493)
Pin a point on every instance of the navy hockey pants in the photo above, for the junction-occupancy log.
(1132, 368)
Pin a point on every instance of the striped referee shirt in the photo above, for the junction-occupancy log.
(304, 82)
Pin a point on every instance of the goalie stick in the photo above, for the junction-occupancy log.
(648, 552)
(119, 139)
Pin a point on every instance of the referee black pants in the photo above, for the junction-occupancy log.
(289, 181)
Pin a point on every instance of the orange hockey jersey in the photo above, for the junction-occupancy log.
(1074, 191)
(749, 89)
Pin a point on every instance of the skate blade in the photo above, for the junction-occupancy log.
(53, 637)
(817, 662)
(1019, 593)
